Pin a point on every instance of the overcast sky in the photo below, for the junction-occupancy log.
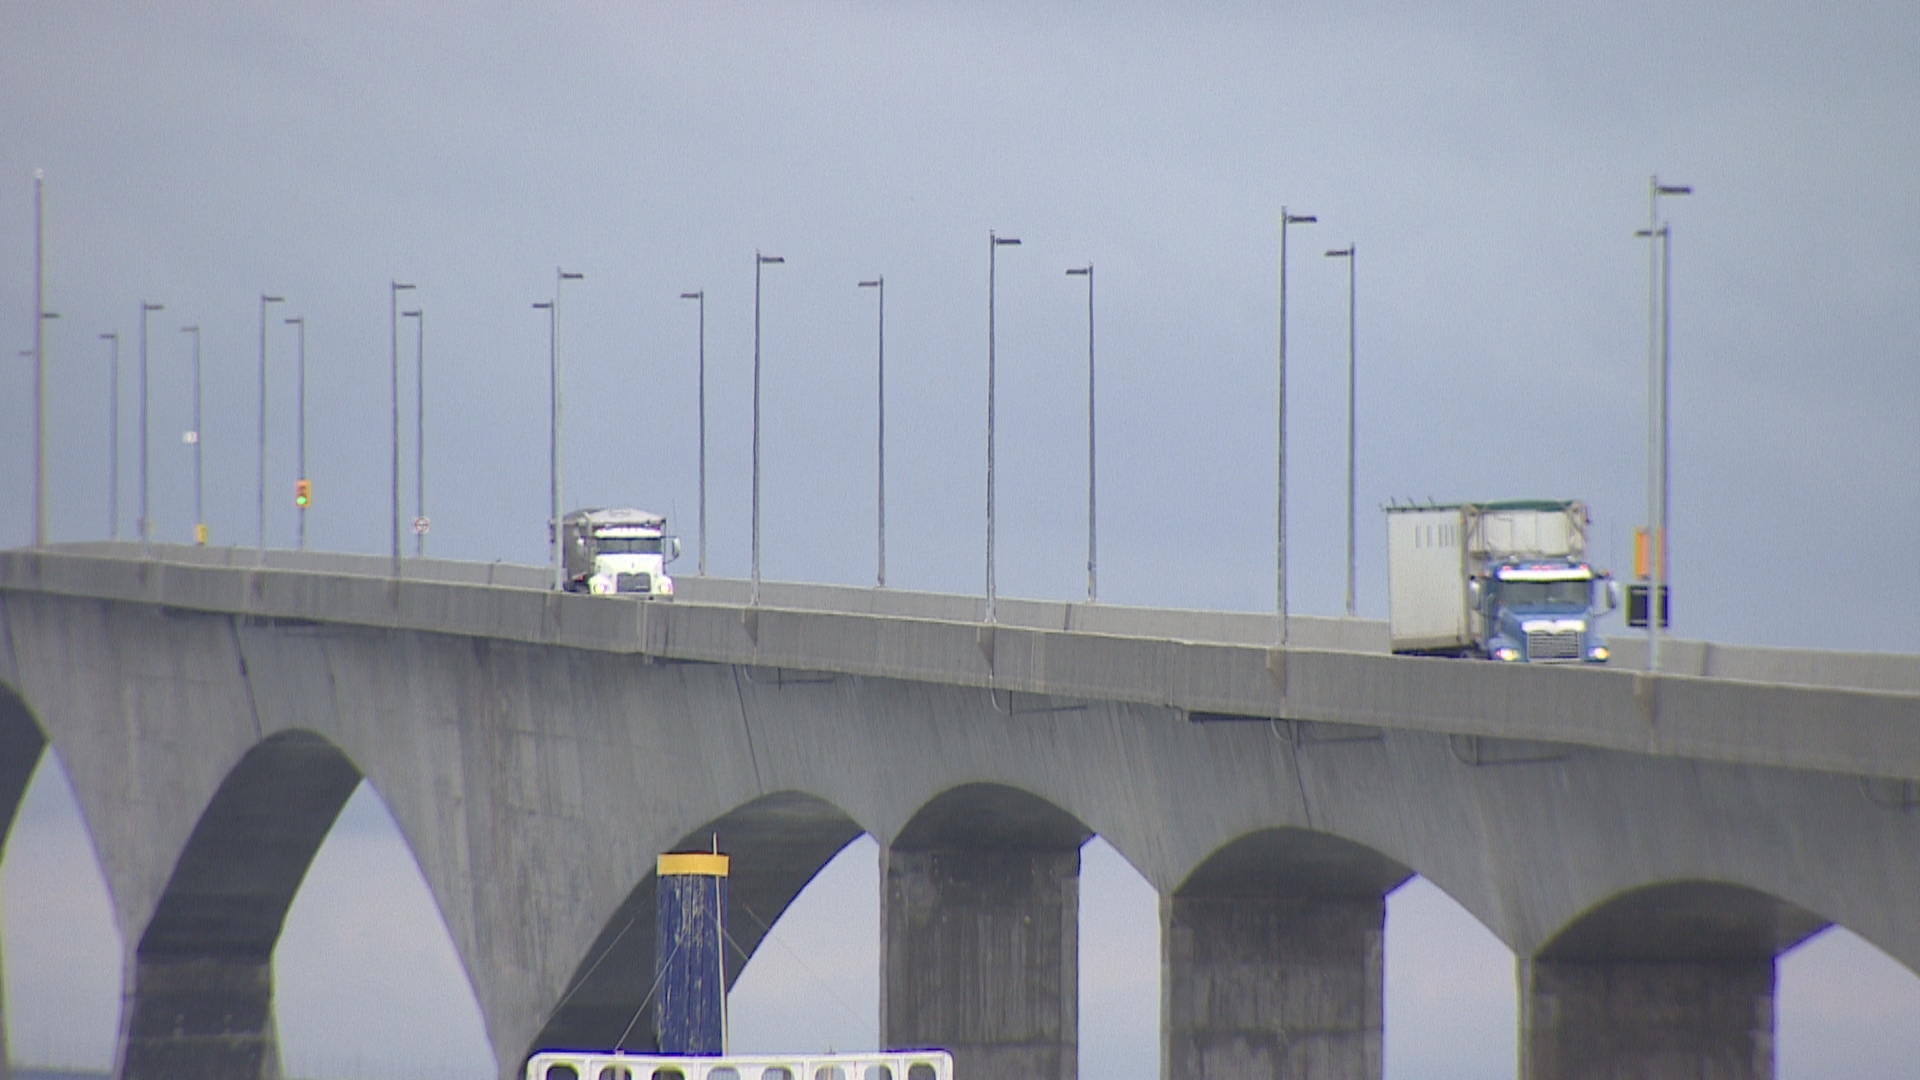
(1489, 160)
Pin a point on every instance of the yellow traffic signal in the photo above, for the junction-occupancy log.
(302, 493)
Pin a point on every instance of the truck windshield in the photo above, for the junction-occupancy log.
(1538, 594)
(627, 545)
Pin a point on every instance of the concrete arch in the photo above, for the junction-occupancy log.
(200, 995)
(1293, 863)
(982, 816)
(1684, 920)
(778, 843)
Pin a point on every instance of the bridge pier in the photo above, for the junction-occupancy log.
(1668, 982)
(980, 953)
(1259, 988)
(1635, 1020)
(200, 1016)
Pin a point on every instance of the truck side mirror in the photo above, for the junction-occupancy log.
(1613, 594)
(673, 548)
(1474, 593)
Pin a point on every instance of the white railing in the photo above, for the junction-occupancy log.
(887, 1065)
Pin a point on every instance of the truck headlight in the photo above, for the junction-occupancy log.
(1506, 652)
(1598, 654)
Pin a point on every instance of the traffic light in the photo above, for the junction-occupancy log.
(302, 493)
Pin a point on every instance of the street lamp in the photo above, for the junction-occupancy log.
(394, 288)
(1349, 253)
(146, 521)
(1280, 500)
(420, 523)
(759, 261)
(994, 243)
(701, 296)
(1093, 592)
(40, 427)
(264, 301)
(553, 438)
(554, 433)
(40, 317)
(193, 439)
(303, 486)
(880, 283)
(113, 436)
(1657, 347)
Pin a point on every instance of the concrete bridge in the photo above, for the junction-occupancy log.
(1647, 844)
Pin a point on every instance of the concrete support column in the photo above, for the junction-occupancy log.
(1265, 988)
(200, 1017)
(980, 952)
(1642, 1020)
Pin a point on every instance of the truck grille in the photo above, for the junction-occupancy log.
(1551, 645)
(634, 583)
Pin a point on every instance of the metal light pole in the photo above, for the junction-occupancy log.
(194, 437)
(113, 436)
(1349, 253)
(701, 296)
(1280, 500)
(264, 301)
(1656, 414)
(420, 523)
(302, 493)
(394, 289)
(146, 521)
(994, 243)
(557, 433)
(1093, 590)
(880, 283)
(40, 317)
(553, 436)
(759, 261)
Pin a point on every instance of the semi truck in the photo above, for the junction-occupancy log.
(1506, 581)
(623, 551)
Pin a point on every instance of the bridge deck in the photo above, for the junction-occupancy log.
(1845, 712)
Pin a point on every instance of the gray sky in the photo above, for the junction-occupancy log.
(1489, 160)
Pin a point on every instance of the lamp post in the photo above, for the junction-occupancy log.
(701, 296)
(1656, 231)
(264, 301)
(40, 317)
(556, 433)
(302, 489)
(394, 288)
(994, 243)
(1349, 253)
(113, 435)
(193, 438)
(759, 261)
(1280, 500)
(420, 523)
(879, 282)
(553, 438)
(40, 427)
(1093, 590)
(146, 521)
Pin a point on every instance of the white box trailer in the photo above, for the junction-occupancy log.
(1438, 555)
